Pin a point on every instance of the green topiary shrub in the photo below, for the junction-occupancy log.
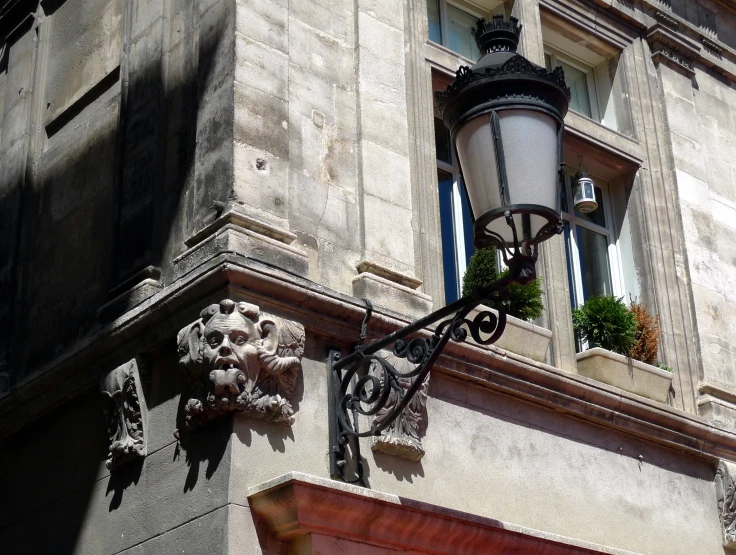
(524, 302)
(606, 322)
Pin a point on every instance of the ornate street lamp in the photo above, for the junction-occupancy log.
(505, 120)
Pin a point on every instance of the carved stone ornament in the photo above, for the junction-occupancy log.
(125, 410)
(672, 49)
(726, 500)
(401, 438)
(240, 360)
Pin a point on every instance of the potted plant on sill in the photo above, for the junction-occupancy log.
(624, 346)
(524, 304)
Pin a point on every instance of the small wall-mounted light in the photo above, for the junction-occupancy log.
(583, 193)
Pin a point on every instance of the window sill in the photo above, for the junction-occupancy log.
(443, 58)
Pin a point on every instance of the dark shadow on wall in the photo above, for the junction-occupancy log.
(112, 185)
(207, 443)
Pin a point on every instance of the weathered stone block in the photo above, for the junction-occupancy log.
(689, 156)
(85, 45)
(333, 19)
(145, 16)
(726, 243)
(319, 53)
(693, 190)
(261, 67)
(680, 115)
(389, 12)
(386, 174)
(388, 231)
(309, 93)
(262, 182)
(261, 121)
(698, 227)
(376, 116)
(264, 21)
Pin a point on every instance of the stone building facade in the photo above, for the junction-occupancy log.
(195, 195)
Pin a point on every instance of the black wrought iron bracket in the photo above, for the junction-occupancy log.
(361, 383)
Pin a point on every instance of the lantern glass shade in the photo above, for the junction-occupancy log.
(583, 193)
(528, 153)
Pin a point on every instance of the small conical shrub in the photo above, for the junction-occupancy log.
(524, 302)
(606, 322)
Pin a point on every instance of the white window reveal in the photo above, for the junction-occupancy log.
(580, 78)
(592, 72)
(451, 23)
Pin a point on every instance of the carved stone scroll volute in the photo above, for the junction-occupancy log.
(240, 360)
(726, 499)
(125, 410)
(402, 437)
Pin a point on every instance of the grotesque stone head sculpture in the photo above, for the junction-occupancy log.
(240, 360)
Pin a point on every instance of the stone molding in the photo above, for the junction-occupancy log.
(667, 19)
(236, 232)
(240, 360)
(673, 49)
(371, 267)
(726, 499)
(296, 504)
(131, 292)
(238, 218)
(125, 411)
(336, 317)
(712, 46)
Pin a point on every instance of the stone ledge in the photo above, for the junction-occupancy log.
(337, 317)
(389, 294)
(234, 217)
(296, 504)
(368, 266)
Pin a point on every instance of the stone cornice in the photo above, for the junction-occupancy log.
(671, 48)
(296, 504)
(337, 317)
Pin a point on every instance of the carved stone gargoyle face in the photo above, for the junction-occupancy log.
(240, 360)
(125, 411)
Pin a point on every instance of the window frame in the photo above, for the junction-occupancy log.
(590, 78)
(458, 220)
(572, 222)
(467, 7)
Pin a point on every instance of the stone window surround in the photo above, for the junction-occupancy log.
(444, 62)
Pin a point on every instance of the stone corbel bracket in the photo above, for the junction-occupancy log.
(402, 437)
(672, 49)
(125, 410)
(726, 501)
(240, 360)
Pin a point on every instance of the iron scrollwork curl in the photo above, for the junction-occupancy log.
(366, 383)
